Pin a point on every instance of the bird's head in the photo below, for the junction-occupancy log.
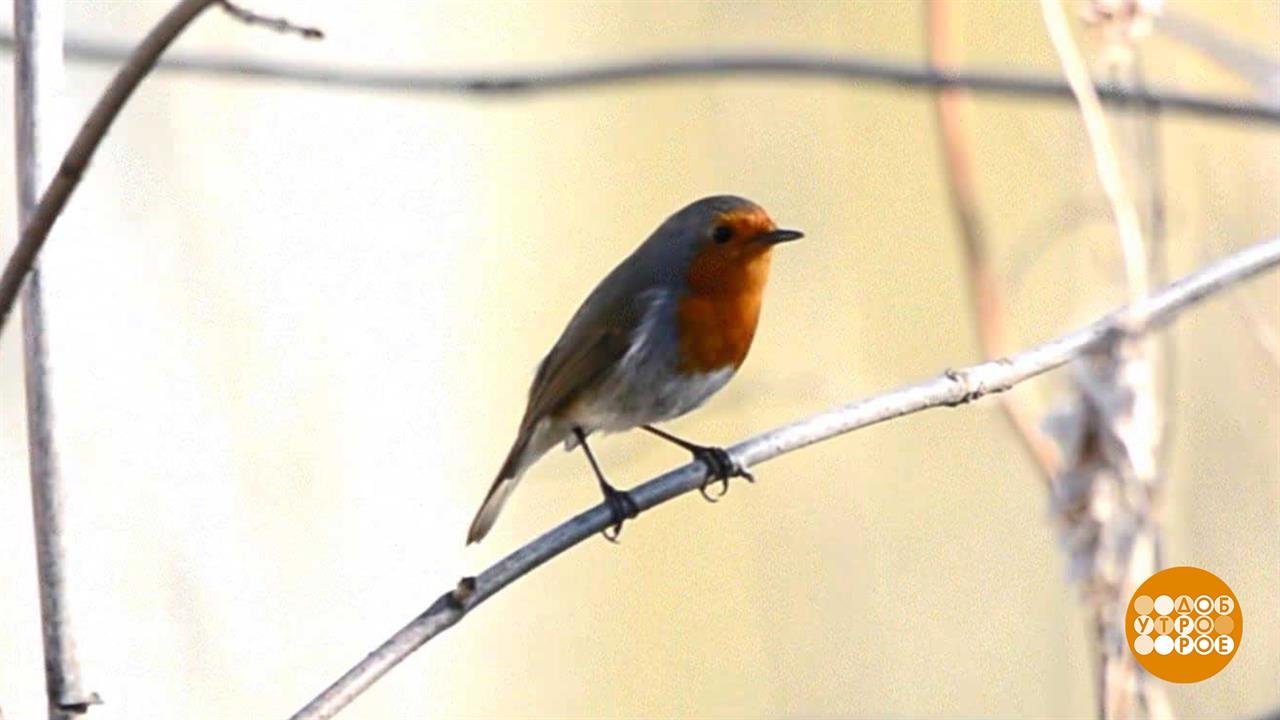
(720, 238)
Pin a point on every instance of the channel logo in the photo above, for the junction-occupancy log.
(1184, 624)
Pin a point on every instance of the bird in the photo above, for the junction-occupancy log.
(662, 332)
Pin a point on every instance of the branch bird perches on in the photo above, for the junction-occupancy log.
(951, 388)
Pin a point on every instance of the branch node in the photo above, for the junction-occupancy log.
(279, 24)
(82, 705)
(969, 391)
(463, 592)
(1117, 332)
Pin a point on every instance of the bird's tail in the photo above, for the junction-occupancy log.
(501, 489)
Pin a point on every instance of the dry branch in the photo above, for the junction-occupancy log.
(953, 387)
(845, 68)
(139, 63)
(1105, 160)
(38, 71)
(1109, 489)
(984, 290)
(279, 24)
(1260, 69)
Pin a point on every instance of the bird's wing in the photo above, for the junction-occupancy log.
(594, 342)
(589, 348)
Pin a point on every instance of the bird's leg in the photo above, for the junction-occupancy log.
(720, 465)
(620, 503)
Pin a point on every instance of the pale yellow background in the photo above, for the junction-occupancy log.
(292, 327)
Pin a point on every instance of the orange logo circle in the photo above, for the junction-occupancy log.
(1183, 624)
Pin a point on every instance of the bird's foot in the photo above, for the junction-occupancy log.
(622, 507)
(720, 467)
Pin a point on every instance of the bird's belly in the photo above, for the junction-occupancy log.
(648, 384)
(647, 395)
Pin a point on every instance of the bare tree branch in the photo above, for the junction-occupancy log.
(847, 68)
(1104, 154)
(1260, 69)
(984, 290)
(139, 63)
(279, 24)
(38, 80)
(1112, 426)
(953, 387)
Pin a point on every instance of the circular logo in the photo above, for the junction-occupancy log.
(1183, 624)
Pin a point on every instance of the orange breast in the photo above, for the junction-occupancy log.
(718, 316)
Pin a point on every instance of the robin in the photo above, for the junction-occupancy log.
(658, 336)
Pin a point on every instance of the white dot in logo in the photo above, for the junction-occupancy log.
(1164, 605)
(1143, 645)
(1164, 644)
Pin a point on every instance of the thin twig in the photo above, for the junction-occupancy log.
(1149, 151)
(984, 290)
(1260, 69)
(139, 63)
(38, 79)
(952, 388)
(1104, 154)
(279, 24)
(1115, 406)
(845, 68)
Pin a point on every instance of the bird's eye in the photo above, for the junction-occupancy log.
(722, 233)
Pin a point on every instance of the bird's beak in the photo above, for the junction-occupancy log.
(774, 237)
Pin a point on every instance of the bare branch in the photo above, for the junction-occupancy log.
(36, 229)
(1112, 424)
(984, 291)
(1106, 500)
(38, 71)
(1104, 154)
(953, 387)
(139, 63)
(279, 24)
(1260, 69)
(846, 68)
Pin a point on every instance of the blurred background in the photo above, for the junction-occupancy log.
(291, 330)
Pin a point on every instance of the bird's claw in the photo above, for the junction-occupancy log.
(707, 482)
(720, 467)
(622, 507)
